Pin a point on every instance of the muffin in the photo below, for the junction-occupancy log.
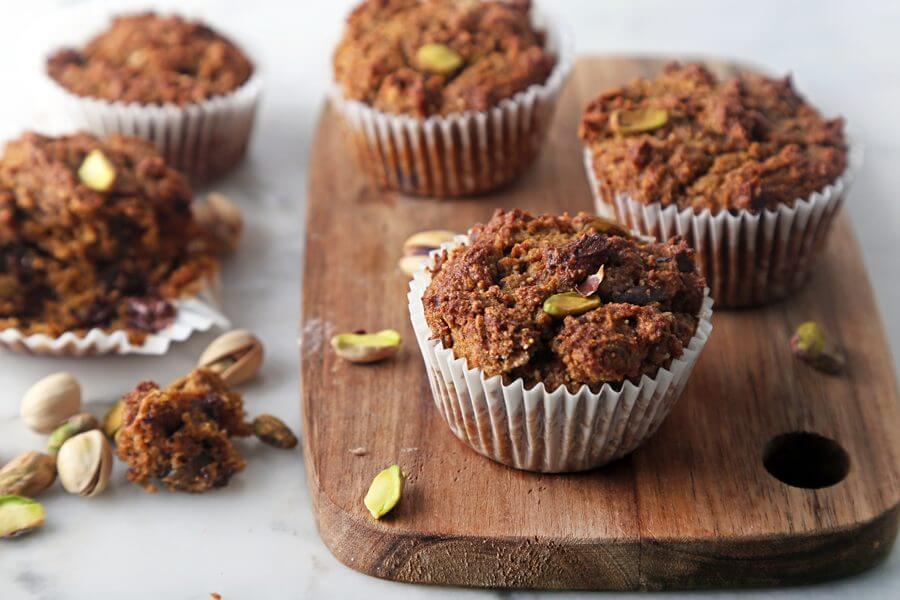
(557, 343)
(180, 84)
(447, 98)
(745, 169)
(96, 236)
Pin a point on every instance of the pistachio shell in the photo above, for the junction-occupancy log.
(411, 264)
(84, 463)
(19, 516)
(272, 431)
(384, 492)
(638, 120)
(97, 172)
(366, 347)
(569, 303)
(591, 284)
(439, 59)
(51, 401)
(28, 474)
(236, 356)
(424, 242)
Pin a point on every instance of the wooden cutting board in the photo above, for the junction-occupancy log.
(695, 507)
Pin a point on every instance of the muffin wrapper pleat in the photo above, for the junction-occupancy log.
(199, 312)
(540, 430)
(748, 259)
(460, 154)
(204, 140)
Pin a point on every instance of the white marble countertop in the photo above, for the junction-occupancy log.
(257, 539)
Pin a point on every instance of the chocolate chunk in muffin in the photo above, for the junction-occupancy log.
(152, 59)
(430, 57)
(689, 139)
(486, 301)
(73, 258)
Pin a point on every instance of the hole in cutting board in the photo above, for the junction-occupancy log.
(806, 460)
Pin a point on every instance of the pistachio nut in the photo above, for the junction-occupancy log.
(236, 356)
(222, 218)
(811, 344)
(97, 172)
(272, 431)
(601, 225)
(569, 303)
(51, 401)
(439, 59)
(385, 491)
(19, 516)
(418, 246)
(638, 120)
(84, 463)
(366, 347)
(73, 426)
(112, 420)
(28, 474)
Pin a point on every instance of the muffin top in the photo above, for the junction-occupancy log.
(689, 139)
(152, 59)
(437, 57)
(73, 257)
(489, 301)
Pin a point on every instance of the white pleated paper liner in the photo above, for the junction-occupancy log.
(748, 259)
(547, 431)
(192, 314)
(204, 140)
(461, 154)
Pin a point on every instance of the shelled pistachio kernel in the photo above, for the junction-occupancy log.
(72, 427)
(569, 304)
(272, 431)
(19, 516)
(366, 347)
(384, 492)
(84, 463)
(112, 420)
(28, 474)
(439, 59)
(51, 401)
(97, 172)
(236, 356)
(418, 246)
(638, 120)
(811, 344)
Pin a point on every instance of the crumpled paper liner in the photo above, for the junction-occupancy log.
(460, 154)
(198, 312)
(540, 430)
(748, 259)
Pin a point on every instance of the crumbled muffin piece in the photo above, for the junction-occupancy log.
(152, 59)
(748, 143)
(181, 435)
(502, 54)
(486, 301)
(72, 258)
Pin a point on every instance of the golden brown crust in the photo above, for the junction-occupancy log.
(152, 59)
(486, 301)
(180, 435)
(375, 61)
(747, 143)
(74, 259)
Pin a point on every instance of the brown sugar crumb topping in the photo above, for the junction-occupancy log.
(486, 301)
(152, 59)
(73, 258)
(750, 142)
(181, 434)
(434, 57)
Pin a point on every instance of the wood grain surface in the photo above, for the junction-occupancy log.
(692, 508)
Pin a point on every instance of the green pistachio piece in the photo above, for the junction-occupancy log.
(97, 172)
(72, 427)
(638, 120)
(811, 344)
(19, 516)
(112, 421)
(384, 493)
(569, 303)
(439, 59)
(366, 347)
(272, 431)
